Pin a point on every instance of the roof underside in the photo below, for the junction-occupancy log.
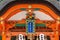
(9, 5)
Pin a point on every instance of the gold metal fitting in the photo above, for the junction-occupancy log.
(30, 6)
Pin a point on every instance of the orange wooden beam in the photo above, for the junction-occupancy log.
(41, 6)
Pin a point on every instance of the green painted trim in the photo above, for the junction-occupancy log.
(36, 9)
(33, 25)
(26, 26)
(40, 25)
(23, 9)
(20, 25)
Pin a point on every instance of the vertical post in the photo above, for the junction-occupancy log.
(37, 38)
(56, 32)
(3, 29)
(30, 36)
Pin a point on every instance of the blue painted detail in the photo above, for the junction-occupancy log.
(30, 27)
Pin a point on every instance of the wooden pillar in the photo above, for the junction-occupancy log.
(57, 32)
(30, 36)
(51, 37)
(3, 36)
(3, 29)
(8, 37)
(56, 36)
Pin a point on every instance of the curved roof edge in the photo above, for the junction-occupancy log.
(9, 5)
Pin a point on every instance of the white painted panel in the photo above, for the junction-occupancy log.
(38, 14)
(19, 16)
(21, 37)
(42, 16)
(41, 36)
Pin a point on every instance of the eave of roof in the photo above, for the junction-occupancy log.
(9, 5)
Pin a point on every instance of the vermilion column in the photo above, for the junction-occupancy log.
(57, 32)
(3, 29)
